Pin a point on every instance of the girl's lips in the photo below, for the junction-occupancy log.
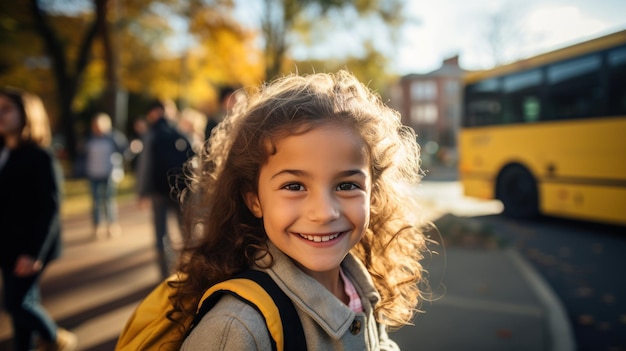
(320, 238)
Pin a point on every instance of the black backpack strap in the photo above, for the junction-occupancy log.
(293, 333)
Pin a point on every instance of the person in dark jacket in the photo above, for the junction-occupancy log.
(159, 168)
(226, 99)
(30, 232)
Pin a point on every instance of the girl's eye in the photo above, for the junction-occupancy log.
(293, 187)
(347, 186)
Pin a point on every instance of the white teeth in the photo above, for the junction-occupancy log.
(318, 238)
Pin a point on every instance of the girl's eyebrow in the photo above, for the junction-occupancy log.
(299, 173)
(294, 172)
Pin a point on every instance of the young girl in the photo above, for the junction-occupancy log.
(308, 181)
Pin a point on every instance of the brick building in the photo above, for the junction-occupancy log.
(431, 103)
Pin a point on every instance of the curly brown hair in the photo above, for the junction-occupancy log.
(226, 238)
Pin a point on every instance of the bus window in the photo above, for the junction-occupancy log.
(482, 102)
(617, 81)
(574, 88)
(532, 109)
(521, 97)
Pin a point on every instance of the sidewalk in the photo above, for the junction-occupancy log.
(485, 296)
(95, 285)
(487, 300)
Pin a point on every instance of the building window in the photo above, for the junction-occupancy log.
(423, 90)
(424, 114)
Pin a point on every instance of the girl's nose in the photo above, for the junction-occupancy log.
(323, 207)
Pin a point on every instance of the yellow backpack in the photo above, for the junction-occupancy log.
(148, 328)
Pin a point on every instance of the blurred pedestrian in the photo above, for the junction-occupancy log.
(135, 147)
(104, 152)
(226, 100)
(30, 199)
(192, 122)
(165, 150)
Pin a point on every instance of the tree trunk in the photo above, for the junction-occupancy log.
(104, 32)
(66, 84)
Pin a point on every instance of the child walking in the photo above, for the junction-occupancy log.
(306, 180)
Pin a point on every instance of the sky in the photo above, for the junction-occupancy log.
(449, 27)
(444, 28)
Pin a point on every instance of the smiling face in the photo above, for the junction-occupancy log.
(314, 196)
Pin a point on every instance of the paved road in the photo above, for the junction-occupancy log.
(582, 262)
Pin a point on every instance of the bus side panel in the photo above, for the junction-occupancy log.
(582, 151)
(478, 188)
(571, 160)
(590, 202)
(484, 152)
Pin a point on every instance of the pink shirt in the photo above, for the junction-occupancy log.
(355, 300)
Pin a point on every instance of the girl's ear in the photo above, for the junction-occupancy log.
(252, 201)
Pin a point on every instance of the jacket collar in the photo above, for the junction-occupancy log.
(315, 300)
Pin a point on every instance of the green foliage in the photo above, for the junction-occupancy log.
(151, 58)
(311, 22)
(367, 69)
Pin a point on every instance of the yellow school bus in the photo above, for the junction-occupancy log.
(547, 134)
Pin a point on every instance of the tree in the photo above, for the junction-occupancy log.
(70, 51)
(285, 22)
(224, 54)
(367, 68)
(67, 79)
(504, 36)
(73, 54)
(22, 62)
(110, 58)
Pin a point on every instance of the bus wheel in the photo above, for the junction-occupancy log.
(517, 189)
